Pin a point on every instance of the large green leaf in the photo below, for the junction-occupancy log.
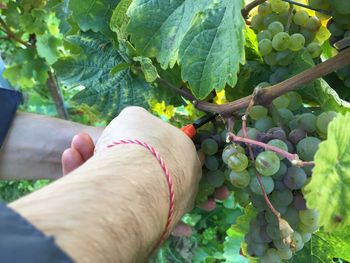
(329, 188)
(119, 20)
(242, 223)
(232, 247)
(318, 91)
(322, 248)
(92, 14)
(110, 93)
(205, 36)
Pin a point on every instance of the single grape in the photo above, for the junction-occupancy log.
(264, 236)
(296, 135)
(271, 256)
(273, 231)
(285, 116)
(293, 123)
(279, 6)
(320, 4)
(264, 9)
(292, 216)
(276, 133)
(211, 163)
(281, 171)
(270, 19)
(280, 41)
(267, 163)
(296, 42)
(308, 170)
(240, 179)
(209, 146)
(285, 254)
(295, 178)
(299, 202)
(342, 6)
(309, 36)
(241, 197)
(314, 49)
(270, 59)
(279, 144)
(284, 58)
(279, 185)
(324, 119)
(237, 162)
(280, 245)
(283, 198)
(313, 24)
(221, 193)
(307, 122)
(302, 228)
(251, 132)
(258, 202)
(308, 216)
(291, 147)
(267, 183)
(305, 237)
(257, 249)
(263, 124)
(281, 101)
(280, 73)
(297, 242)
(336, 30)
(265, 34)
(275, 27)
(301, 17)
(265, 46)
(257, 22)
(307, 147)
(215, 178)
(231, 149)
(258, 112)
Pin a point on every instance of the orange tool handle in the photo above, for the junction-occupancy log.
(189, 130)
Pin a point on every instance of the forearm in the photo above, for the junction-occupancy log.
(112, 209)
(34, 146)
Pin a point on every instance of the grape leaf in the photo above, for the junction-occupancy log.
(205, 36)
(322, 248)
(242, 223)
(119, 20)
(47, 46)
(318, 91)
(329, 188)
(232, 246)
(92, 14)
(110, 93)
(147, 68)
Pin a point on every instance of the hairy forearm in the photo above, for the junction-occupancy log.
(111, 209)
(34, 146)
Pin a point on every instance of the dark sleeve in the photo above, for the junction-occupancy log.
(9, 101)
(21, 242)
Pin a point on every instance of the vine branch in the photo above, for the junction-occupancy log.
(246, 10)
(308, 7)
(12, 35)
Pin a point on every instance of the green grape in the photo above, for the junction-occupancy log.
(257, 249)
(284, 58)
(265, 46)
(305, 237)
(258, 202)
(271, 256)
(320, 4)
(285, 116)
(285, 254)
(215, 178)
(336, 30)
(295, 178)
(275, 27)
(258, 112)
(297, 241)
(211, 163)
(257, 22)
(279, 144)
(264, 124)
(295, 101)
(279, 6)
(292, 216)
(314, 49)
(264, 9)
(296, 42)
(281, 101)
(308, 216)
(307, 148)
(280, 74)
(265, 34)
(237, 162)
(324, 119)
(283, 198)
(231, 149)
(342, 6)
(296, 135)
(209, 146)
(313, 24)
(309, 36)
(280, 245)
(270, 19)
(251, 132)
(271, 59)
(307, 228)
(280, 41)
(343, 20)
(280, 173)
(301, 17)
(307, 122)
(266, 181)
(267, 163)
(273, 231)
(241, 197)
(293, 123)
(240, 179)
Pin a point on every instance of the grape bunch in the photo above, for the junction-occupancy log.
(291, 127)
(282, 33)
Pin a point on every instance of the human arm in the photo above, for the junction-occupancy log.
(114, 207)
(34, 145)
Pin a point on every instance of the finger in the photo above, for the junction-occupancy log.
(201, 157)
(182, 230)
(83, 143)
(71, 159)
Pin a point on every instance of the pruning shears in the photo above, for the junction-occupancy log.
(191, 129)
